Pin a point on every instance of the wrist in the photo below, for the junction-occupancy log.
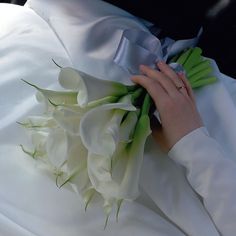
(188, 142)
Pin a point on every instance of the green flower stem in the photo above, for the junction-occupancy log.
(136, 94)
(203, 82)
(132, 88)
(142, 130)
(184, 57)
(102, 101)
(146, 105)
(201, 74)
(193, 59)
(199, 67)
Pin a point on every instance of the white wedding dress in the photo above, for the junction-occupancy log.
(85, 34)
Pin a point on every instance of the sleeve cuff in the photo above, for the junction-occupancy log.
(190, 143)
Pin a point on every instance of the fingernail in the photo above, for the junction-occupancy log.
(142, 67)
(132, 78)
(160, 63)
(180, 73)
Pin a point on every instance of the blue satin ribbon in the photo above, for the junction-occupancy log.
(138, 47)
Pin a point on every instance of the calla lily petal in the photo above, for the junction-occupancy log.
(68, 118)
(120, 180)
(38, 122)
(76, 165)
(39, 140)
(57, 97)
(89, 88)
(101, 138)
(130, 180)
(57, 147)
(128, 125)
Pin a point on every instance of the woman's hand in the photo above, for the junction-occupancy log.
(174, 100)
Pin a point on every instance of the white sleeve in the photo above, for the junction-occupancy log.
(211, 174)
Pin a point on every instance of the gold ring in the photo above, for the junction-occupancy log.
(180, 87)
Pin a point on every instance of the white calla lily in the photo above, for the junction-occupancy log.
(117, 176)
(88, 87)
(76, 166)
(39, 140)
(91, 138)
(99, 127)
(38, 122)
(56, 97)
(68, 118)
(127, 126)
(57, 147)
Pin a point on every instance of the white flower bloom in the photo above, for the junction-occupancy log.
(88, 87)
(64, 156)
(117, 176)
(76, 165)
(99, 127)
(68, 118)
(91, 138)
(57, 97)
(38, 122)
(39, 140)
(57, 147)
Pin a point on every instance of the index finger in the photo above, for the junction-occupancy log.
(153, 87)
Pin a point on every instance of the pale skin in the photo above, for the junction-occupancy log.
(174, 100)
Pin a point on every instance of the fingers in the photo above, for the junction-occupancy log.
(187, 85)
(164, 84)
(170, 73)
(174, 101)
(153, 87)
(162, 78)
(175, 77)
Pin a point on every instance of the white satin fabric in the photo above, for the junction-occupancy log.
(212, 177)
(85, 34)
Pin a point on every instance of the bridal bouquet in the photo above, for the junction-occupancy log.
(92, 134)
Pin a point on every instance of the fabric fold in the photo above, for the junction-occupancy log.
(86, 35)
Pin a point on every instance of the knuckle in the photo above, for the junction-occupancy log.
(149, 84)
(152, 73)
(139, 79)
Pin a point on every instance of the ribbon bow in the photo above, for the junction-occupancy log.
(138, 47)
